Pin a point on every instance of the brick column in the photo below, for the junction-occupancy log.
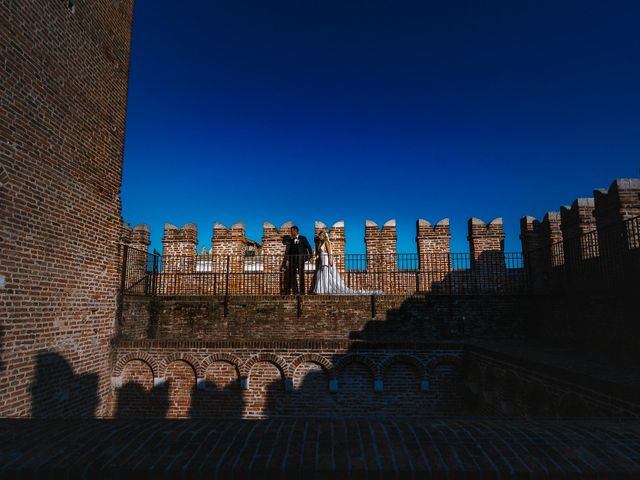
(140, 237)
(434, 248)
(273, 248)
(613, 208)
(530, 234)
(381, 253)
(551, 232)
(229, 242)
(486, 244)
(577, 221)
(179, 248)
(338, 240)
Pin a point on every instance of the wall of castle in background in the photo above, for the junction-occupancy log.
(63, 77)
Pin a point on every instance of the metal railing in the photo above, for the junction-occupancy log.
(450, 273)
(603, 259)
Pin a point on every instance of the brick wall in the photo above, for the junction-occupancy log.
(587, 284)
(63, 78)
(434, 250)
(179, 248)
(337, 238)
(380, 245)
(342, 379)
(269, 379)
(364, 317)
(498, 385)
(576, 220)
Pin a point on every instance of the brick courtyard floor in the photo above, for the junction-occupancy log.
(451, 447)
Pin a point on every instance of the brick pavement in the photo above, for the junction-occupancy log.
(446, 447)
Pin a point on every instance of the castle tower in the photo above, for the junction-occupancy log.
(434, 252)
(64, 90)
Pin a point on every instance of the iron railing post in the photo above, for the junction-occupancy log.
(154, 273)
(226, 289)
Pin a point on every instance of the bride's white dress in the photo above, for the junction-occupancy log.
(329, 281)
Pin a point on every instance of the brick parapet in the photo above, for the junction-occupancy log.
(228, 243)
(576, 221)
(380, 245)
(486, 242)
(338, 240)
(620, 202)
(577, 218)
(274, 244)
(434, 248)
(179, 248)
(140, 237)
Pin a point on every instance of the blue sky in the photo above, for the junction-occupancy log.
(269, 111)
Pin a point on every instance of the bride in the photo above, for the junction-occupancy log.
(328, 279)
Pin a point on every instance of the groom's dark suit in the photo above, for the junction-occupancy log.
(298, 251)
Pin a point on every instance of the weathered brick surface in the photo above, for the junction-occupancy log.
(434, 262)
(486, 245)
(342, 379)
(577, 220)
(338, 240)
(504, 384)
(179, 248)
(281, 378)
(380, 245)
(330, 317)
(312, 448)
(63, 78)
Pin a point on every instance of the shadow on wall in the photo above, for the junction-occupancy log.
(2, 334)
(358, 382)
(179, 392)
(58, 392)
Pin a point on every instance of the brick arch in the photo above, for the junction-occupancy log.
(142, 356)
(184, 357)
(403, 358)
(324, 362)
(355, 358)
(220, 357)
(444, 360)
(276, 360)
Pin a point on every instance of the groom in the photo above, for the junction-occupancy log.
(298, 251)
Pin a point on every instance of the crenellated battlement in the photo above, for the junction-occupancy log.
(338, 240)
(138, 237)
(619, 202)
(179, 247)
